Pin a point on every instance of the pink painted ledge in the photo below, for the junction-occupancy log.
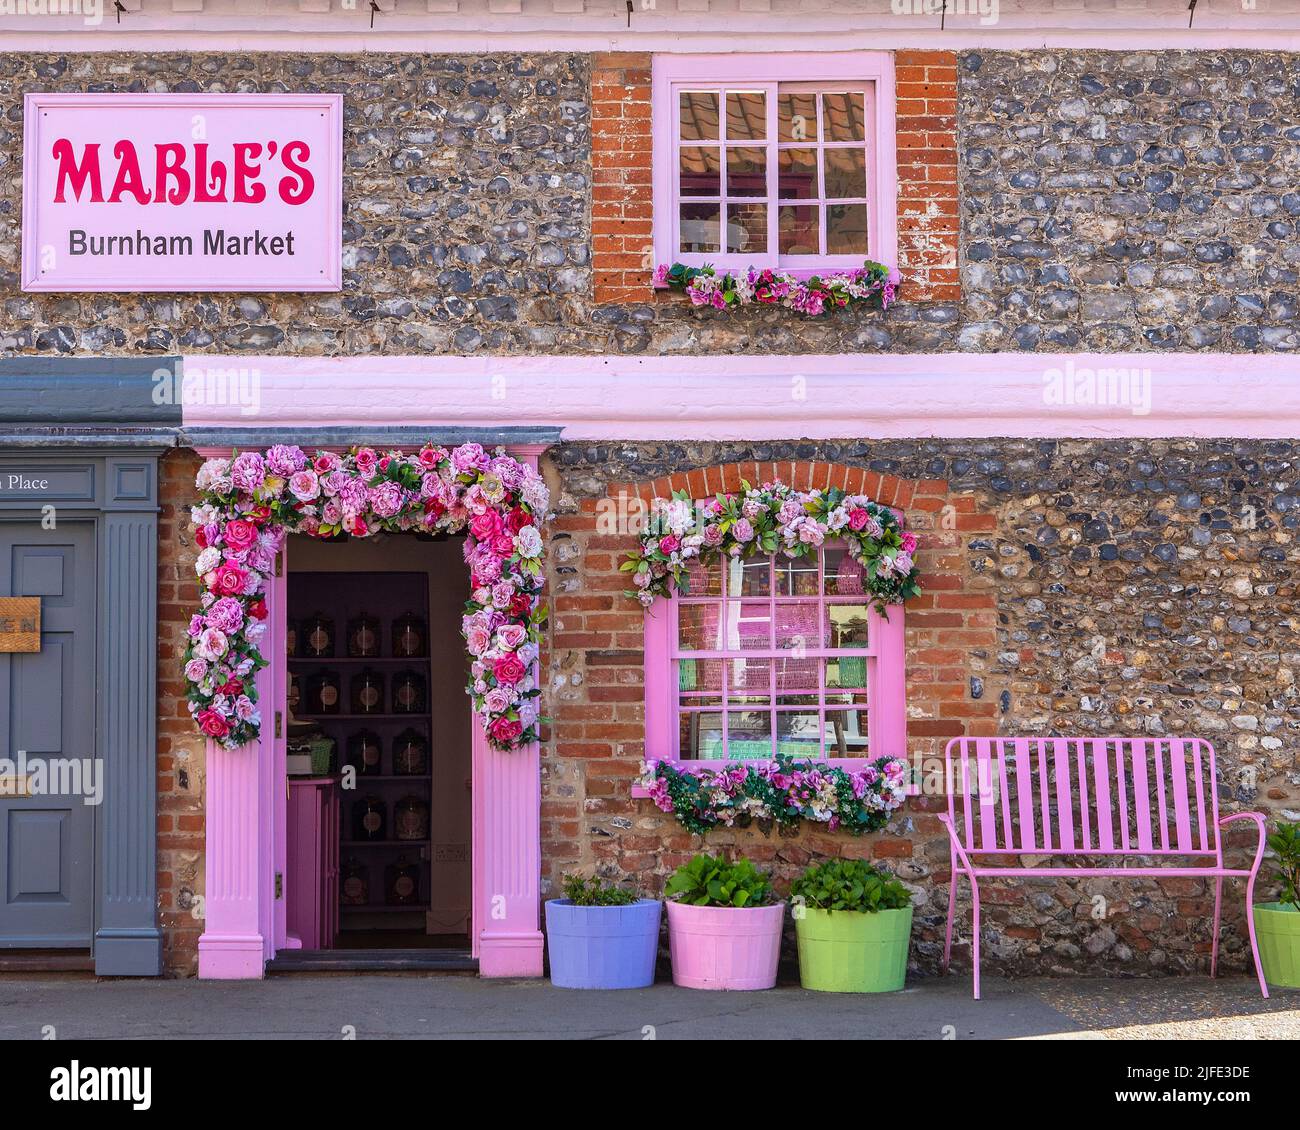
(339, 31)
(885, 396)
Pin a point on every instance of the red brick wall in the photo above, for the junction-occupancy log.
(180, 750)
(596, 683)
(926, 128)
(621, 255)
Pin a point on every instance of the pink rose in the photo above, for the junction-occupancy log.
(367, 461)
(486, 526)
(669, 544)
(478, 639)
(212, 724)
(386, 499)
(509, 670)
(497, 700)
(239, 535)
(469, 457)
(512, 636)
(486, 573)
(503, 544)
(228, 579)
(858, 518)
(325, 462)
(428, 458)
(304, 486)
(505, 730)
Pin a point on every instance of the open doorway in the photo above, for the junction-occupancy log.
(378, 745)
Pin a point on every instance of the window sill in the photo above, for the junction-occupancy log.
(848, 764)
(803, 274)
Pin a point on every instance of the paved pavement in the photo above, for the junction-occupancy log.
(304, 1006)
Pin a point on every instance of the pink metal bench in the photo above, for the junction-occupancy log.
(1151, 800)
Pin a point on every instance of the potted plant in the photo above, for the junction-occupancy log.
(853, 924)
(1277, 924)
(601, 936)
(724, 925)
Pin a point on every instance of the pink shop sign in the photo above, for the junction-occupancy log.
(182, 192)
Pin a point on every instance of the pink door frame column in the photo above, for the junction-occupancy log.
(245, 810)
(507, 845)
(244, 922)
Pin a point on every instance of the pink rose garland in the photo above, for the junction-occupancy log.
(682, 534)
(248, 504)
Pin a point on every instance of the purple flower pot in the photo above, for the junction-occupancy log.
(602, 947)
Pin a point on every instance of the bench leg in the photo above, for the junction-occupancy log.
(1218, 911)
(952, 909)
(1250, 926)
(975, 932)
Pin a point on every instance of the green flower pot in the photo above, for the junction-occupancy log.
(845, 951)
(1277, 929)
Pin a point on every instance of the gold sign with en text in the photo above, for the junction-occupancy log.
(18, 785)
(20, 623)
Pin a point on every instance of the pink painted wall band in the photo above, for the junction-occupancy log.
(344, 31)
(750, 398)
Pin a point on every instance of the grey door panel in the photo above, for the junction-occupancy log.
(47, 710)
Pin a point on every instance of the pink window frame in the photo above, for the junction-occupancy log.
(671, 73)
(886, 686)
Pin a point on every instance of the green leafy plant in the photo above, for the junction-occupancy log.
(710, 881)
(1285, 843)
(849, 884)
(582, 891)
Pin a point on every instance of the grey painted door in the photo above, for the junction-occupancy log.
(47, 708)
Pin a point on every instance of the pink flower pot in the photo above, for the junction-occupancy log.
(723, 947)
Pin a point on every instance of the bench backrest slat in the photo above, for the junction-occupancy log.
(1025, 796)
(1042, 797)
(1182, 823)
(1085, 822)
(1007, 826)
(1199, 773)
(1101, 790)
(984, 778)
(1122, 786)
(1084, 796)
(1141, 793)
(1064, 793)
